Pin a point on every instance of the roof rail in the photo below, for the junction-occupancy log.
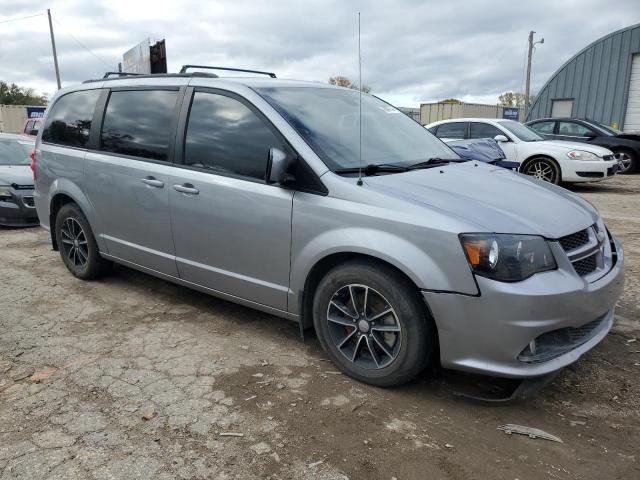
(153, 75)
(228, 69)
(119, 74)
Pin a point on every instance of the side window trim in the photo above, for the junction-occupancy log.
(96, 122)
(101, 110)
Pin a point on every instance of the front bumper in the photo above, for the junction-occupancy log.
(488, 333)
(583, 171)
(20, 211)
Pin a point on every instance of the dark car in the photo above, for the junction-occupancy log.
(484, 150)
(17, 207)
(626, 146)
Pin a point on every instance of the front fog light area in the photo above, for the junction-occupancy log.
(507, 258)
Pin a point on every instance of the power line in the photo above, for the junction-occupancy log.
(83, 45)
(21, 18)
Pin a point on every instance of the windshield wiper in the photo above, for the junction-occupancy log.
(373, 168)
(434, 161)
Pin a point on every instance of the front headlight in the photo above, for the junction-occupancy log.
(582, 155)
(5, 192)
(507, 258)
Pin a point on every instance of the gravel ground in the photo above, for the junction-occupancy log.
(131, 377)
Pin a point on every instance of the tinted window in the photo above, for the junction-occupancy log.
(224, 135)
(452, 130)
(574, 130)
(138, 123)
(543, 127)
(69, 121)
(483, 130)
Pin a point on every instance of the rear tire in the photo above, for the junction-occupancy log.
(374, 347)
(543, 169)
(77, 245)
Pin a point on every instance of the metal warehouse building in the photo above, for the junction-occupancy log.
(601, 82)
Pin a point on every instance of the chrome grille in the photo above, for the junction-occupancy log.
(575, 240)
(29, 201)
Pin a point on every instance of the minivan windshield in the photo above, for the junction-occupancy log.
(328, 120)
(521, 131)
(15, 152)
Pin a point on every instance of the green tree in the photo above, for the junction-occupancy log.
(450, 100)
(341, 81)
(12, 94)
(514, 99)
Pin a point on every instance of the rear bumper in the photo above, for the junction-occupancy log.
(581, 171)
(491, 333)
(20, 212)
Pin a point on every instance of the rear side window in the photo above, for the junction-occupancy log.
(226, 136)
(455, 130)
(572, 129)
(69, 121)
(483, 130)
(138, 123)
(544, 127)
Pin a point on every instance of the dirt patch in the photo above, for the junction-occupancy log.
(133, 377)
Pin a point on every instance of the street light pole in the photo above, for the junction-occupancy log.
(528, 85)
(53, 47)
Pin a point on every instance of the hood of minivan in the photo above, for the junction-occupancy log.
(568, 146)
(18, 174)
(491, 198)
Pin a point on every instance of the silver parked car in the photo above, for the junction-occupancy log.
(17, 207)
(249, 189)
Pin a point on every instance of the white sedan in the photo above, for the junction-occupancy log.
(553, 161)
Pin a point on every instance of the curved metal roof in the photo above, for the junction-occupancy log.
(628, 43)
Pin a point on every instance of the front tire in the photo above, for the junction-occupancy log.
(77, 245)
(543, 169)
(371, 322)
(627, 161)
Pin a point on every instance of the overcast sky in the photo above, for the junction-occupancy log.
(412, 51)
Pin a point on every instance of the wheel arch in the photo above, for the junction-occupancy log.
(328, 262)
(62, 193)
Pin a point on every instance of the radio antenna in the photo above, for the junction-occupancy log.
(359, 107)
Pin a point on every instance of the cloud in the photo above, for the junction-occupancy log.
(412, 50)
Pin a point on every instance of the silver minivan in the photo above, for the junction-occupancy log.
(331, 209)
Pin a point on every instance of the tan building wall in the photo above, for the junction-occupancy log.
(12, 117)
(432, 112)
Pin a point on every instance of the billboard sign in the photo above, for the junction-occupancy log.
(510, 113)
(35, 112)
(138, 59)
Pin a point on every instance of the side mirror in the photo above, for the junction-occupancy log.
(277, 166)
(33, 132)
(501, 138)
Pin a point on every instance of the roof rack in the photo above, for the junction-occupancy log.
(227, 69)
(150, 75)
(119, 74)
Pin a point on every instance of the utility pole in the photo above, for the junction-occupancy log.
(527, 88)
(53, 47)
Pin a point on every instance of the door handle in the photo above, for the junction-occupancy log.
(152, 182)
(186, 188)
